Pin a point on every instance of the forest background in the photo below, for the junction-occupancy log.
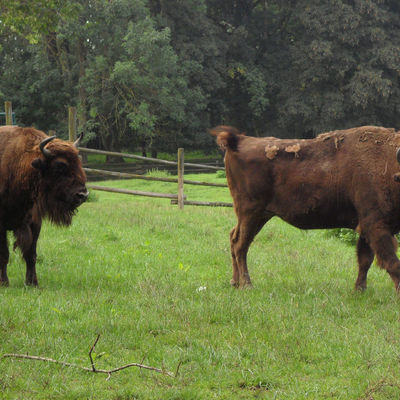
(156, 74)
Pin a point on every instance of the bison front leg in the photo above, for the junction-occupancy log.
(30, 256)
(4, 256)
(27, 240)
(239, 248)
(235, 267)
(241, 237)
(365, 256)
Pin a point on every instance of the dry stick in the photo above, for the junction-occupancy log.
(93, 369)
(100, 371)
(177, 368)
(91, 350)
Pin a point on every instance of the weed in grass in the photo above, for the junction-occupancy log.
(92, 198)
(220, 174)
(157, 173)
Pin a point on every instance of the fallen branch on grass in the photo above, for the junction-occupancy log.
(93, 368)
(377, 387)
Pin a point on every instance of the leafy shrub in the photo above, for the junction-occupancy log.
(346, 235)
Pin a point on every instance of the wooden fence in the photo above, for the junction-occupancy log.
(178, 198)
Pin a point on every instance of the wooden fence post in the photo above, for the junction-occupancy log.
(72, 124)
(8, 109)
(180, 178)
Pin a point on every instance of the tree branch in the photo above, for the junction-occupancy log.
(93, 368)
(90, 352)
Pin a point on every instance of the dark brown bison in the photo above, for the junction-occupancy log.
(339, 179)
(40, 177)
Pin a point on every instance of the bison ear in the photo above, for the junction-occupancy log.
(38, 164)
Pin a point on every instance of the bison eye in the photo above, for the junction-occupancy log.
(38, 164)
(59, 168)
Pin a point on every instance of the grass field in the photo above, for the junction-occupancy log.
(153, 281)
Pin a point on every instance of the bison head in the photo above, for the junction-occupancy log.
(62, 180)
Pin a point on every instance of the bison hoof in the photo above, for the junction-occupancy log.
(4, 283)
(361, 287)
(34, 283)
(246, 285)
(234, 283)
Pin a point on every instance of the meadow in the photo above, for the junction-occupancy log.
(153, 282)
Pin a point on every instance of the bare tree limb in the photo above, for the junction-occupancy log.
(177, 368)
(90, 352)
(93, 368)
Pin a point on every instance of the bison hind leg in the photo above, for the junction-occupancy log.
(365, 257)
(387, 258)
(384, 245)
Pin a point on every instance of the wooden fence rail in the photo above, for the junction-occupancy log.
(157, 160)
(149, 178)
(134, 192)
(204, 203)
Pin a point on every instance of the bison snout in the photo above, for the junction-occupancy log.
(81, 197)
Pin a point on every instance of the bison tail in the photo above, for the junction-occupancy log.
(227, 137)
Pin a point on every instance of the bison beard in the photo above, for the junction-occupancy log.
(58, 211)
(340, 179)
(39, 178)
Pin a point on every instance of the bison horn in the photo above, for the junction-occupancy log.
(77, 141)
(398, 156)
(43, 143)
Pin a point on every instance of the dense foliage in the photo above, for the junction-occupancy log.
(157, 74)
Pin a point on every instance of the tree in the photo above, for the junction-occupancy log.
(133, 82)
(201, 50)
(149, 80)
(159, 73)
(31, 19)
(33, 84)
(344, 66)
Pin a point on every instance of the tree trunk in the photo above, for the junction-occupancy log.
(114, 146)
(143, 146)
(82, 95)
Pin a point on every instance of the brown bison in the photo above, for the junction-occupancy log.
(40, 177)
(340, 179)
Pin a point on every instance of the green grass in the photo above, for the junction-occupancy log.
(131, 268)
